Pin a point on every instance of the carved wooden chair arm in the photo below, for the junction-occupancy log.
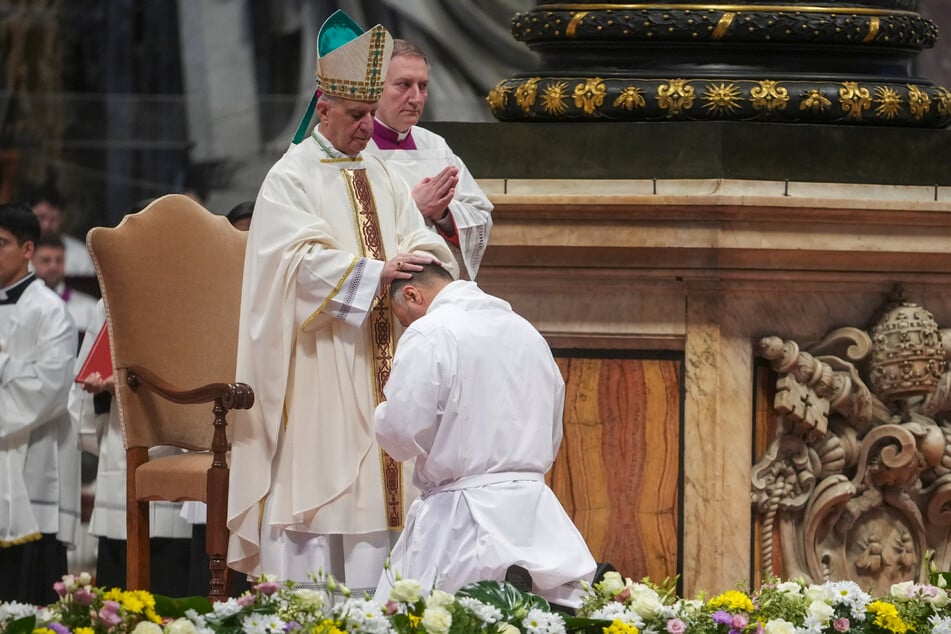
(232, 395)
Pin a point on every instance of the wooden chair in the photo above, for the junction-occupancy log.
(171, 282)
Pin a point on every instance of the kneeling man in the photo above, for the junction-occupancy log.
(477, 399)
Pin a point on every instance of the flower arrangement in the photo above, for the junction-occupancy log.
(777, 607)
(614, 605)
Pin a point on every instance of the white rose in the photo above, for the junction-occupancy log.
(821, 611)
(440, 599)
(147, 627)
(436, 620)
(789, 587)
(779, 626)
(508, 628)
(820, 593)
(308, 598)
(644, 601)
(612, 583)
(405, 591)
(940, 599)
(180, 626)
(85, 579)
(903, 591)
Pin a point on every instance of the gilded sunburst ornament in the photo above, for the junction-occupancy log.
(498, 97)
(854, 99)
(769, 95)
(722, 99)
(630, 97)
(525, 94)
(590, 95)
(676, 97)
(943, 102)
(553, 98)
(814, 100)
(918, 102)
(889, 102)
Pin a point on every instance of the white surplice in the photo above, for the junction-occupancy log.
(470, 208)
(477, 399)
(307, 446)
(101, 435)
(39, 448)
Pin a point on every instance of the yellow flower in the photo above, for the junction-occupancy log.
(43, 630)
(732, 601)
(327, 626)
(887, 617)
(620, 627)
(83, 630)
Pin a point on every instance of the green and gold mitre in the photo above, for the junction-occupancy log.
(351, 63)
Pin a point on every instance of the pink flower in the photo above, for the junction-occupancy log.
(109, 613)
(60, 588)
(83, 596)
(246, 599)
(267, 588)
(391, 607)
(740, 621)
(624, 595)
(841, 624)
(676, 626)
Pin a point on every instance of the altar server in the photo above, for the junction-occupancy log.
(39, 449)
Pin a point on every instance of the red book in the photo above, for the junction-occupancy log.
(99, 358)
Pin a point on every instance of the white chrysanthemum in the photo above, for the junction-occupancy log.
(196, 618)
(436, 620)
(779, 626)
(667, 612)
(940, 624)
(46, 615)
(223, 609)
(440, 599)
(851, 595)
(811, 625)
(617, 611)
(257, 623)
(482, 611)
(365, 616)
(13, 610)
(541, 622)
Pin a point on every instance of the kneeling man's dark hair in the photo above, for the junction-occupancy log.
(426, 277)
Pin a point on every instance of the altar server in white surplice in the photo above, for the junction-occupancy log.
(477, 399)
(331, 229)
(445, 192)
(39, 449)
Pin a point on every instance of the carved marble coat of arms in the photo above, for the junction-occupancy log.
(857, 482)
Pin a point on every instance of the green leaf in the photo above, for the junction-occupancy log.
(175, 608)
(21, 626)
(583, 625)
(512, 602)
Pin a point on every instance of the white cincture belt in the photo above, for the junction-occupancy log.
(471, 482)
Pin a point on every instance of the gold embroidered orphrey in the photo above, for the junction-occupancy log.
(381, 329)
(856, 483)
